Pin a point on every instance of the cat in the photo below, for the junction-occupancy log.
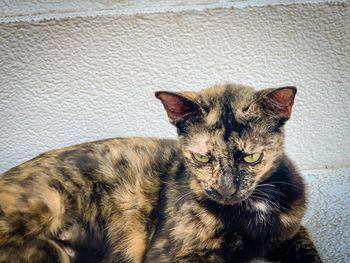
(223, 192)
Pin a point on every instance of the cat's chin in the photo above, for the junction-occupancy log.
(229, 202)
(232, 201)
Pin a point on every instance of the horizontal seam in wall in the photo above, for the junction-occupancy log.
(164, 9)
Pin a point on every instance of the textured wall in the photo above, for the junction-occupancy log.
(328, 214)
(83, 78)
(66, 81)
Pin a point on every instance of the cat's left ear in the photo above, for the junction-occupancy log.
(277, 103)
(180, 107)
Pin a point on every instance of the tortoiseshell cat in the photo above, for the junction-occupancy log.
(223, 192)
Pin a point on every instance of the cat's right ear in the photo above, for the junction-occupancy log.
(180, 108)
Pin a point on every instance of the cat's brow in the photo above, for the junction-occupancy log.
(199, 143)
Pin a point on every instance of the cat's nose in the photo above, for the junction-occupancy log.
(227, 186)
(225, 191)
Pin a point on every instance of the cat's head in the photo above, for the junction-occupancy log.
(231, 136)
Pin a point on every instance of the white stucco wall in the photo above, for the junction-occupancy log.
(328, 215)
(66, 81)
(85, 70)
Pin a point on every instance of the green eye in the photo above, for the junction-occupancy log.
(252, 158)
(201, 158)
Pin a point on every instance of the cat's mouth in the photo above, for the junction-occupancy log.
(227, 199)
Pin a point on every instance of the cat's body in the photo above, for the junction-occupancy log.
(97, 196)
(223, 192)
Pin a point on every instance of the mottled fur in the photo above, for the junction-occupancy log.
(149, 200)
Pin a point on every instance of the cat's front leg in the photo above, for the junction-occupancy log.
(192, 258)
(33, 250)
(168, 250)
(299, 249)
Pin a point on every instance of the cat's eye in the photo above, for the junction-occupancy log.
(252, 158)
(201, 158)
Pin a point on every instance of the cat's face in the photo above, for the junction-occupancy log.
(231, 137)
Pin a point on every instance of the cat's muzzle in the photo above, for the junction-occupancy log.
(225, 192)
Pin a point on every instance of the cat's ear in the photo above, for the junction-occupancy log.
(179, 106)
(277, 103)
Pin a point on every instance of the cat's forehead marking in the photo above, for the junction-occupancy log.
(224, 106)
(213, 116)
(249, 145)
(217, 137)
(240, 144)
(199, 143)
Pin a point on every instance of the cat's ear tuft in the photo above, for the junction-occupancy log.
(179, 108)
(278, 102)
